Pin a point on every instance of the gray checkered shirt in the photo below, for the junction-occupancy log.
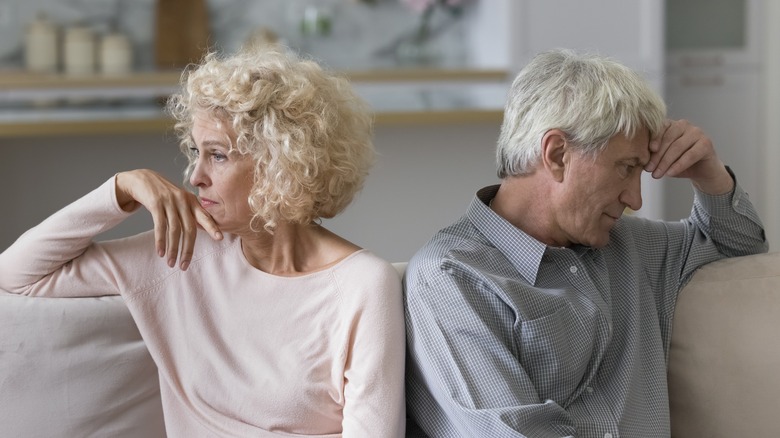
(508, 337)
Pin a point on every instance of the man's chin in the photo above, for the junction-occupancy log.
(600, 242)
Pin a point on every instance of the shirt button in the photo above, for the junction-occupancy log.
(589, 389)
(607, 435)
(573, 269)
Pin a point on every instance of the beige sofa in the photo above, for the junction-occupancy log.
(78, 367)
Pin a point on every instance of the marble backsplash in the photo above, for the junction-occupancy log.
(357, 31)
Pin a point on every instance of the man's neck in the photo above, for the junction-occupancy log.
(527, 203)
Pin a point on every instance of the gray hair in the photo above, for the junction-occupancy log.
(588, 97)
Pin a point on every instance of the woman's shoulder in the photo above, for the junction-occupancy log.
(364, 268)
(365, 261)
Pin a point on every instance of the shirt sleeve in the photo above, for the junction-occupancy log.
(719, 226)
(465, 364)
(374, 403)
(58, 257)
(728, 222)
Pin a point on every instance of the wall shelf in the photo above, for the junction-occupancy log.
(45, 105)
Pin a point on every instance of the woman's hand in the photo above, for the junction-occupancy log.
(177, 214)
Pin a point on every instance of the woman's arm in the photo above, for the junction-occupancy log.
(28, 265)
(374, 373)
(59, 258)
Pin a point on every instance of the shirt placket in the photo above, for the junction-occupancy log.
(587, 274)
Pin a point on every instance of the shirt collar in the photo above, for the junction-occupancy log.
(523, 251)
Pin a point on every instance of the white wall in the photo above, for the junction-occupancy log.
(424, 179)
(772, 116)
(41, 175)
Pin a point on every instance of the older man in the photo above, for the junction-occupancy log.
(545, 311)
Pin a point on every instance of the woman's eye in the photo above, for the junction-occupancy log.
(218, 157)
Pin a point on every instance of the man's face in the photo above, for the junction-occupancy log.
(598, 189)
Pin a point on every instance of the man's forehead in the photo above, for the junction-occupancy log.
(636, 148)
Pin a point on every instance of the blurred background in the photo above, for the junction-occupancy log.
(82, 84)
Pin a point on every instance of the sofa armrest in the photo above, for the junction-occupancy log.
(73, 367)
(724, 355)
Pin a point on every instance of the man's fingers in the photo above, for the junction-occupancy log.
(695, 153)
(655, 142)
(672, 144)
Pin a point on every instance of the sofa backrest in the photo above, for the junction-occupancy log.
(725, 356)
(78, 367)
(75, 367)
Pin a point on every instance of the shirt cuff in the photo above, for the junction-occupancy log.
(723, 204)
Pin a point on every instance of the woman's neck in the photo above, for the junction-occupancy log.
(294, 249)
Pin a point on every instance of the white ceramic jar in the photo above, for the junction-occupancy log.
(78, 50)
(116, 54)
(40, 45)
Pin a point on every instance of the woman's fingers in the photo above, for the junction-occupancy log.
(189, 232)
(160, 220)
(176, 214)
(206, 222)
(173, 234)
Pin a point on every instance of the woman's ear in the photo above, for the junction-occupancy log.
(554, 153)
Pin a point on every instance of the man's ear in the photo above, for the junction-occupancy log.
(554, 153)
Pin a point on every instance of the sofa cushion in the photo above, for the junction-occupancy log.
(75, 367)
(725, 355)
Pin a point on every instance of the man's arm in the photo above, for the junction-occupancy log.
(722, 211)
(463, 365)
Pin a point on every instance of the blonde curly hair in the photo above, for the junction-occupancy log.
(309, 133)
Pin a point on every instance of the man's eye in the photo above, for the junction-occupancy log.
(628, 169)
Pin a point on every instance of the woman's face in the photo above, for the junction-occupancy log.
(223, 178)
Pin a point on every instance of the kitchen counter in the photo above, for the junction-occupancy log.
(36, 105)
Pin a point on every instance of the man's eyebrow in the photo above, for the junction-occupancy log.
(635, 161)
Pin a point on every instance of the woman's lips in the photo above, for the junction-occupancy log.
(206, 202)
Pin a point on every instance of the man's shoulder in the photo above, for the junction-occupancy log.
(454, 250)
(457, 235)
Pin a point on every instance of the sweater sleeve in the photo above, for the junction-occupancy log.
(374, 403)
(58, 258)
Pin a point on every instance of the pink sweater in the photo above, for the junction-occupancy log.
(240, 352)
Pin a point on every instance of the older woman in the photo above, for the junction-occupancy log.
(260, 320)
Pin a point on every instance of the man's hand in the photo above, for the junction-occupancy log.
(682, 150)
(177, 214)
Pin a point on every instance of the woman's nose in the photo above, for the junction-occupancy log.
(198, 177)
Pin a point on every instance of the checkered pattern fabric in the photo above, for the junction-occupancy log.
(508, 337)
